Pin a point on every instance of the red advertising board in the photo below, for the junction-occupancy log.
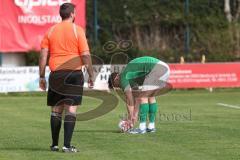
(205, 75)
(24, 22)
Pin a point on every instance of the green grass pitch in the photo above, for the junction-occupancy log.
(190, 126)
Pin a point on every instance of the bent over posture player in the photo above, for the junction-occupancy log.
(142, 78)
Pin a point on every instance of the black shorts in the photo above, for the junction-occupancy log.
(65, 87)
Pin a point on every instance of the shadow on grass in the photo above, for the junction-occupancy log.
(97, 131)
(33, 149)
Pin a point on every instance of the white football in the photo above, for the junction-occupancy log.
(123, 125)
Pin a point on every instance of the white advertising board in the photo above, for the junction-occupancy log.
(25, 79)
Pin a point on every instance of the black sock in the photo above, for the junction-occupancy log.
(56, 121)
(69, 124)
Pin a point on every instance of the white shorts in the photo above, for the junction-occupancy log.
(157, 78)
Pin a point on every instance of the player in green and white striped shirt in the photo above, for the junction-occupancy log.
(140, 80)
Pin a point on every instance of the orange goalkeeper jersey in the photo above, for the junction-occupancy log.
(65, 42)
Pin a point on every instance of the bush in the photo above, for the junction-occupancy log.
(32, 58)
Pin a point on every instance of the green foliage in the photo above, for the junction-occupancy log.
(209, 29)
(32, 58)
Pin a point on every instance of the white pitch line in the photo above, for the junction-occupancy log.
(228, 105)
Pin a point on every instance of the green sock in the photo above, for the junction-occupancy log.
(152, 112)
(144, 108)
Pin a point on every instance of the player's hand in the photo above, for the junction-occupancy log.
(43, 84)
(129, 124)
(134, 120)
(90, 83)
